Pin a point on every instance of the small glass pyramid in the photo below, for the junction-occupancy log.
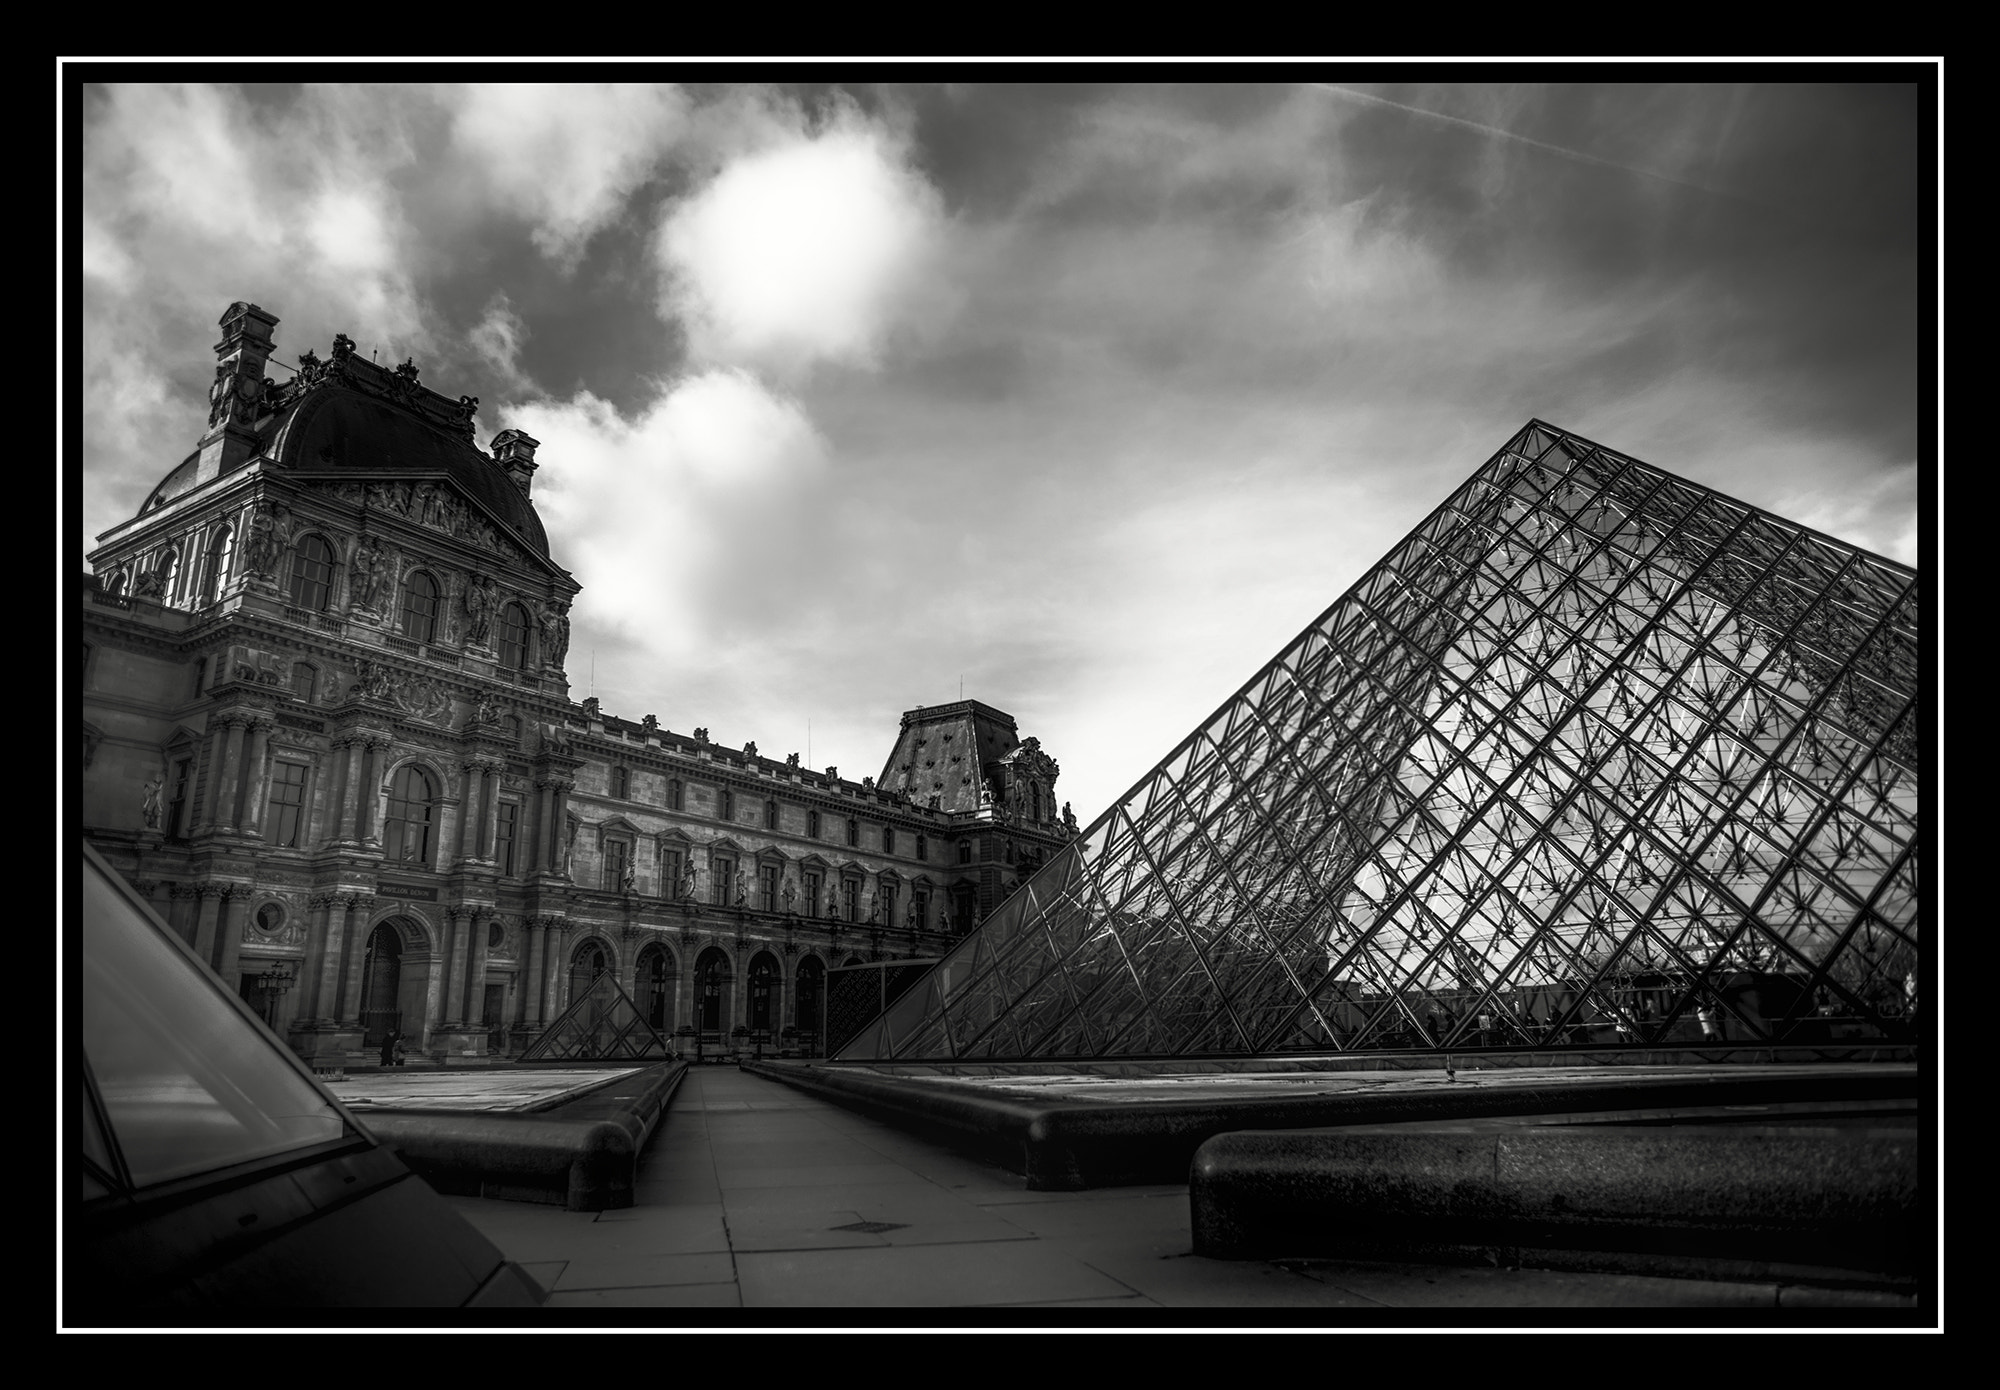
(601, 1024)
(1594, 755)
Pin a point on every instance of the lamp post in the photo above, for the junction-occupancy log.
(272, 986)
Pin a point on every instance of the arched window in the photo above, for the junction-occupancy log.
(806, 999)
(812, 824)
(215, 572)
(420, 607)
(312, 574)
(115, 585)
(406, 831)
(514, 638)
(763, 986)
(170, 560)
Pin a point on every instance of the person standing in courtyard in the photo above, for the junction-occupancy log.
(389, 1049)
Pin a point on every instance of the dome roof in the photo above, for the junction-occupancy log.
(336, 429)
(355, 417)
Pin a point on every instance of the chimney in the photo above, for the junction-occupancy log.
(237, 389)
(514, 451)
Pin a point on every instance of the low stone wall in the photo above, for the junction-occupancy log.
(1821, 1204)
(1066, 1144)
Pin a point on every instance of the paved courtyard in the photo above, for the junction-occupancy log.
(753, 1195)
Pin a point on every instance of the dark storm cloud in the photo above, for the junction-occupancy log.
(1094, 394)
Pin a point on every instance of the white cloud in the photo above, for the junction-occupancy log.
(567, 156)
(498, 337)
(819, 247)
(673, 509)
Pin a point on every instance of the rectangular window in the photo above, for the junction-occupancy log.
(887, 904)
(888, 839)
(616, 856)
(725, 804)
(288, 799)
(922, 848)
(674, 795)
(725, 880)
(767, 887)
(850, 894)
(814, 903)
(812, 824)
(671, 873)
(503, 836)
(922, 903)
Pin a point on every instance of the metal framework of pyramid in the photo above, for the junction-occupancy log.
(1594, 755)
(601, 1024)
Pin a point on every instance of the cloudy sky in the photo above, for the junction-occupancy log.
(1089, 396)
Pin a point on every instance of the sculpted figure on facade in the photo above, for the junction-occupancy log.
(789, 894)
(487, 712)
(265, 545)
(152, 584)
(650, 724)
(478, 605)
(742, 890)
(792, 761)
(750, 749)
(365, 578)
(592, 709)
(150, 806)
(630, 883)
(555, 631)
(689, 883)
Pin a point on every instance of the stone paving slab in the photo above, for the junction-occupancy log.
(967, 1234)
(467, 1090)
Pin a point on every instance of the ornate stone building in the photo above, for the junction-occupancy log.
(328, 734)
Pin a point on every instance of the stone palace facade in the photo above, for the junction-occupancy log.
(327, 733)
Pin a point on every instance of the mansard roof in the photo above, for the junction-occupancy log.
(348, 417)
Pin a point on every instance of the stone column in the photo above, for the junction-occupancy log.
(256, 773)
(489, 814)
(229, 933)
(204, 922)
(354, 913)
(479, 925)
(451, 966)
(537, 932)
(319, 967)
(352, 745)
(453, 991)
(178, 897)
(552, 1001)
(229, 789)
(465, 844)
(371, 790)
(208, 781)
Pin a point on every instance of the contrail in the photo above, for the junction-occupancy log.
(1579, 155)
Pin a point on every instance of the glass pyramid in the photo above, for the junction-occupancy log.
(1594, 755)
(601, 1024)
